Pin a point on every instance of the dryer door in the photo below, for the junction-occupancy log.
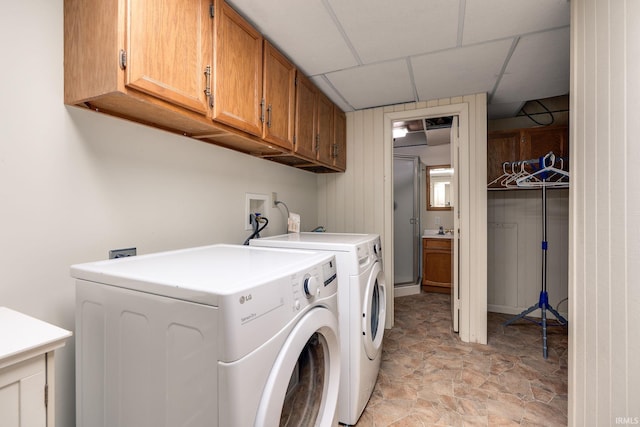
(374, 311)
(302, 389)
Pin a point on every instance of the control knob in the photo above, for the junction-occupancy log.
(310, 286)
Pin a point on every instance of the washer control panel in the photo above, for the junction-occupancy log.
(317, 283)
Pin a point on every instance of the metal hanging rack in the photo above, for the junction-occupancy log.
(547, 171)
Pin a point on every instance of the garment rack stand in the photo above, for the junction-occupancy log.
(543, 301)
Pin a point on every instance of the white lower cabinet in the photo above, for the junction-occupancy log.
(22, 393)
(27, 369)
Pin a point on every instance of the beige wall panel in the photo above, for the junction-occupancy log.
(604, 376)
(515, 219)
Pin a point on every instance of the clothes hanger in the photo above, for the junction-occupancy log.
(549, 176)
(501, 177)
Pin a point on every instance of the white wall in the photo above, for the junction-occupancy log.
(515, 253)
(604, 212)
(74, 184)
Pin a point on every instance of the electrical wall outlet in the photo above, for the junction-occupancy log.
(122, 253)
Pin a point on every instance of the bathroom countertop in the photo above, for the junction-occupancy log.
(433, 234)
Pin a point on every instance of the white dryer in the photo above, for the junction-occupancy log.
(213, 336)
(362, 308)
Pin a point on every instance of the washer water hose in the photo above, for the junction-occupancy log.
(256, 219)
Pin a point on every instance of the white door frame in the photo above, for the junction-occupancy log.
(472, 305)
(455, 242)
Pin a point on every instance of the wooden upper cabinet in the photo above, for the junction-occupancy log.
(502, 146)
(537, 142)
(320, 127)
(305, 122)
(339, 139)
(152, 48)
(196, 68)
(524, 144)
(279, 76)
(168, 50)
(237, 73)
(324, 130)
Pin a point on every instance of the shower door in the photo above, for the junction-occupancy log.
(406, 219)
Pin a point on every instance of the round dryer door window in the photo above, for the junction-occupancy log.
(374, 312)
(302, 389)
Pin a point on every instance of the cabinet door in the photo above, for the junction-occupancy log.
(339, 139)
(168, 50)
(438, 268)
(324, 131)
(237, 71)
(537, 142)
(305, 128)
(436, 258)
(279, 89)
(22, 394)
(502, 146)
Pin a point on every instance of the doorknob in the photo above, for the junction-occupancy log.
(413, 220)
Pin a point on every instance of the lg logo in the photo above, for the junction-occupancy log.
(245, 298)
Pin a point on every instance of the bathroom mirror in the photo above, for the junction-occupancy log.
(439, 187)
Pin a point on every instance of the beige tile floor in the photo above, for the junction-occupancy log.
(428, 377)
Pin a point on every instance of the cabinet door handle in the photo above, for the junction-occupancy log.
(269, 116)
(207, 89)
(262, 110)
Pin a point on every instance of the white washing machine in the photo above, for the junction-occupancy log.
(362, 308)
(213, 336)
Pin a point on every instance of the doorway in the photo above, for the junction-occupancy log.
(472, 198)
(425, 158)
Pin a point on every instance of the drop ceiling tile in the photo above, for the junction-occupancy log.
(494, 19)
(501, 111)
(326, 88)
(538, 68)
(380, 30)
(384, 83)
(456, 72)
(304, 31)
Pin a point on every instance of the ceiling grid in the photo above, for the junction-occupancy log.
(370, 53)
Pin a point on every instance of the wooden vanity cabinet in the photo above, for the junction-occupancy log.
(524, 144)
(436, 265)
